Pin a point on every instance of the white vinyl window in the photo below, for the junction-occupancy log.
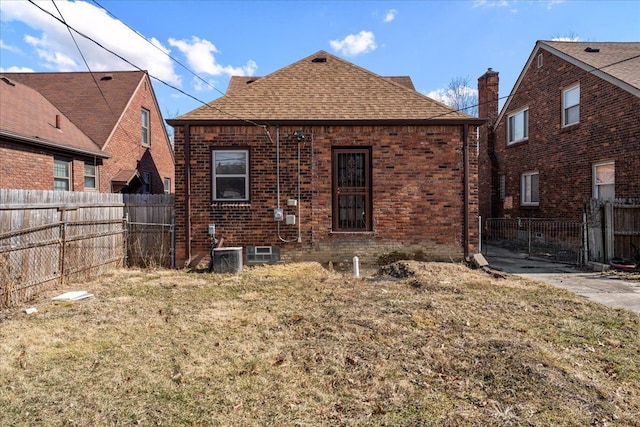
(90, 176)
(518, 126)
(529, 189)
(571, 106)
(604, 181)
(167, 185)
(61, 175)
(230, 175)
(146, 140)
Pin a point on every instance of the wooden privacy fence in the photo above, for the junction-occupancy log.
(614, 229)
(49, 238)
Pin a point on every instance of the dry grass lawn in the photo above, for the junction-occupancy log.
(297, 345)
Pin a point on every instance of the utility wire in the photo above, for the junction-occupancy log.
(140, 69)
(208, 83)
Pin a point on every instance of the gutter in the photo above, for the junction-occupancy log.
(465, 160)
(52, 145)
(187, 184)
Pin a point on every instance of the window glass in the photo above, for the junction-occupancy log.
(145, 127)
(230, 179)
(61, 175)
(519, 126)
(167, 185)
(90, 181)
(604, 181)
(530, 189)
(571, 106)
(352, 210)
(146, 182)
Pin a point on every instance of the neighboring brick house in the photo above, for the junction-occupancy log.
(569, 131)
(123, 146)
(323, 160)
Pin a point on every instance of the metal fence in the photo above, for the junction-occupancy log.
(52, 238)
(36, 258)
(561, 241)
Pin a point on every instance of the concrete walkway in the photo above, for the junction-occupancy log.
(602, 287)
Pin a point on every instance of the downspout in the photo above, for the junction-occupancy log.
(187, 184)
(465, 160)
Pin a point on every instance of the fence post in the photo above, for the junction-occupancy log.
(479, 233)
(63, 243)
(608, 232)
(125, 243)
(529, 234)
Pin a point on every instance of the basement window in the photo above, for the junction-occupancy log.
(261, 254)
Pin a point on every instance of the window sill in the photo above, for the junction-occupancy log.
(516, 143)
(359, 233)
(569, 128)
(530, 206)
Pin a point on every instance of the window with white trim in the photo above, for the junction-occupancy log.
(90, 176)
(529, 190)
(61, 175)
(230, 175)
(167, 185)
(518, 126)
(571, 106)
(146, 140)
(604, 181)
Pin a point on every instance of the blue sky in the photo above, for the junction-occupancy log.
(431, 41)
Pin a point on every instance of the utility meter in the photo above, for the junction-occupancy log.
(278, 214)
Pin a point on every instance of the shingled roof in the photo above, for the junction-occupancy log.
(81, 96)
(29, 117)
(325, 88)
(620, 60)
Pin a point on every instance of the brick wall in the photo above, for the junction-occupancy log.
(608, 130)
(31, 168)
(417, 192)
(126, 149)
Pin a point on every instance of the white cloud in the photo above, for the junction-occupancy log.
(449, 97)
(57, 51)
(390, 15)
(571, 38)
(10, 48)
(200, 58)
(14, 69)
(355, 44)
(490, 3)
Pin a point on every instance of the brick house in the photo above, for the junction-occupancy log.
(83, 131)
(569, 131)
(323, 160)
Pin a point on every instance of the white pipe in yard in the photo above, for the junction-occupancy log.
(356, 267)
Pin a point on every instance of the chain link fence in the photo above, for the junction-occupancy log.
(561, 241)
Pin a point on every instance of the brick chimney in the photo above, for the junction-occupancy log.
(487, 166)
(488, 96)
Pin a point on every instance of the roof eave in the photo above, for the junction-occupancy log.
(472, 121)
(51, 145)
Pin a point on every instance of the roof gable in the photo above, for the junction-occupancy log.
(30, 117)
(616, 62)
(94, 102)
(322, 87)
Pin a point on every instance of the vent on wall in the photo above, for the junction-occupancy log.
(540, 61)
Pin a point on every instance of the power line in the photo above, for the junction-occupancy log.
(140, 69)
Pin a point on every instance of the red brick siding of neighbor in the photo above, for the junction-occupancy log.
(126, 149)
(417, 190)
(31, 168)
(608, 130)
